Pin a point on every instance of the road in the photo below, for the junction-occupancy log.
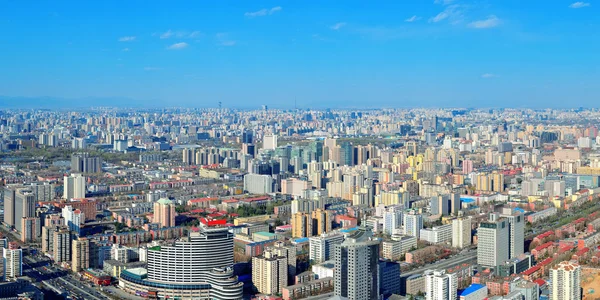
(40, 269)
(468, 257)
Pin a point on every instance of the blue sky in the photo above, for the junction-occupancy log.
(402, 53)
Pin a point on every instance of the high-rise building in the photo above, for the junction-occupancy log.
(269, 273)
(29, 229)
(357, 266)
(492, 241)
(321, 221)
(565, 281)
(81, 254)
(440, 285)
(9, 205)
(61, 244)
(84, 163)
(392, 220)
(188, 156)
(516, 229)
(24, 207)
(164, 212)
(73, 218)
(270, 142)
(289, 251)
(13, 261)
(437, 234)
(172, 271)
(413, 223)
(461, 232)
(302, 225)
(322, 247)
(258, 184)
(74, 187)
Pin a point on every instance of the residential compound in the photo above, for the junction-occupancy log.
(294, 204)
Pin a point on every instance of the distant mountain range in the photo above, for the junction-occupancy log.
(58, 102)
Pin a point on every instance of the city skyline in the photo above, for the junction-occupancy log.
(284, 54)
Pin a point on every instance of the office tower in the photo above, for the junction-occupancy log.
(24, 207)
(492, 242)
(461, 232)
(13, 261)
(9, 205)
(270, 142)
(247, 137)
(516, 229)
(84, 163)
(413, 223)
(249, 149)
(302, 225)
(29, 229)
(321, 221)
(61, 244)
(73, 218)
(81, 254)
(206, 272)
(357, 266)
(74, 187)
(269, 273)
(322, 247)
(565, 281)
(389, 278)
(188, 156)
(440, 285)
(164, 212)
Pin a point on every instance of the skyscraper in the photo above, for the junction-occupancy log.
(322, 248)
(301, 225)
(24, 207)
(492, 241)
(440, 285)
(61, 244)
(164, 212)
(461, 232)
(29, 229)
(74, 187)
(357, 266)
(73, 218)
(565, 279)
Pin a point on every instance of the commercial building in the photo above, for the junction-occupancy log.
(437, 234)
(322, 247)
(357, 266)
(164, 212)
(492, 238)
(516, 230)
(440, 285)
(173, 272)
(258, 184)
(565, 281)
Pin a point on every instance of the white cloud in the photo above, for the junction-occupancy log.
(412, 19)
(263, 12)
(195, 34)
(338, 26)
(579, 4)
(125, 49)
(127, 39)
(443, 2)
(152, 69)
(178, 46)
(167, 34)
(491, 22)
(453, 13)
(224, 40)
(488, 75)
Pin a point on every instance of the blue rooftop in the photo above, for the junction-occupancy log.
(519, 210)
(301, 240)
(349, 230)
(467, 200)
(472, 288)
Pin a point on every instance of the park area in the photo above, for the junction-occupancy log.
(590, 283)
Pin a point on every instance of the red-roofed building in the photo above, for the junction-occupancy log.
(542, 250)
(532, 273)
(203, 202)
